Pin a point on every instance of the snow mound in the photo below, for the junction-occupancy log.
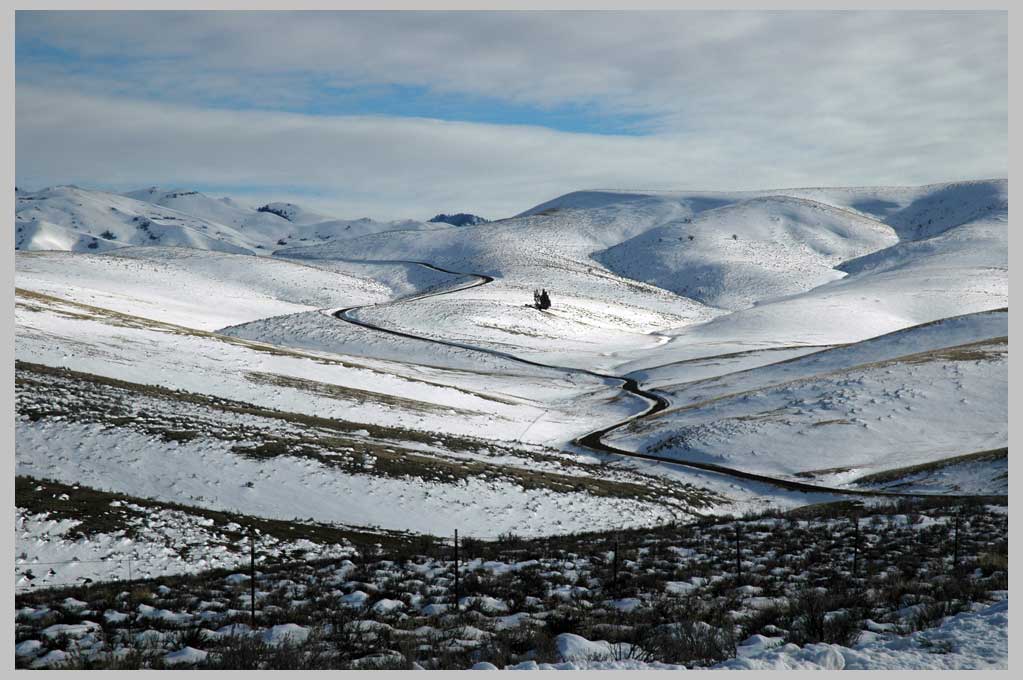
(285, 633)
(971, 640)
(185, 656)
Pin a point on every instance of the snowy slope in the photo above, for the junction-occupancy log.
(124, 220)
(794, 383)
(258, 227)
(194, 288)
(73, 218)
(429, 480)
(592, 200)
(296, 214)
(596, 313)
(678, 381)
(43, 235)
(734, 256)
(807, 267)
(271, 225)
(917, 396)
(919, 212)
(961, 270)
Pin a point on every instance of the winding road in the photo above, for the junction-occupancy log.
(594, 440)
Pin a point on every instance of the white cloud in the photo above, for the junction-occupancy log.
(729, 100)
(649, 61)
(406, 167)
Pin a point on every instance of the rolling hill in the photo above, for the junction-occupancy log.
(179, 348)
(916, 396)
(83, 215)
(83, 220)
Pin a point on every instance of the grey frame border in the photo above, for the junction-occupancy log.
(7, 203)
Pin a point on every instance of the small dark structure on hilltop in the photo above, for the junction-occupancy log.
(459, 219)
(541, 300)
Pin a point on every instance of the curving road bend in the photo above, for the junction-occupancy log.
(594, 440)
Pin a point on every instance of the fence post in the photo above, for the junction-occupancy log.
(252, 574)
(456, 570)
(856, 543)
(955, 542)
(131, 609)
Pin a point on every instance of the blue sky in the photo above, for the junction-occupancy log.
(37, 59)
(405, 114)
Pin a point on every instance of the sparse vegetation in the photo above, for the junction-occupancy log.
(175, 415)
(676, 598)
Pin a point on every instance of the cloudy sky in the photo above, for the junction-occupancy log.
(404, 114)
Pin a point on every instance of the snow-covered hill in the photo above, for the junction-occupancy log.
(913, 397)
(188, 366)
(595, 312)
(84, 215)
(919, 212)
(753, 250)
(87, 220)
(271, 225)
(958, 269)
(795, 267)
(42, 235)
(799, 340)
(257, 227)
(195, 288)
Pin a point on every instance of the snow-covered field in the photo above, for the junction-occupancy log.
(214, 365)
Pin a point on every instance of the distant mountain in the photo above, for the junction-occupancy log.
(72, 218)
(77, 219)
(459, 219)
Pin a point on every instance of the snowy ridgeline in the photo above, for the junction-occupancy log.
(889, 586)
(84, 220)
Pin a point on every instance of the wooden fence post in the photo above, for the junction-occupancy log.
(456, 570)
(955, 542)
(252, 574)
(856, 543)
